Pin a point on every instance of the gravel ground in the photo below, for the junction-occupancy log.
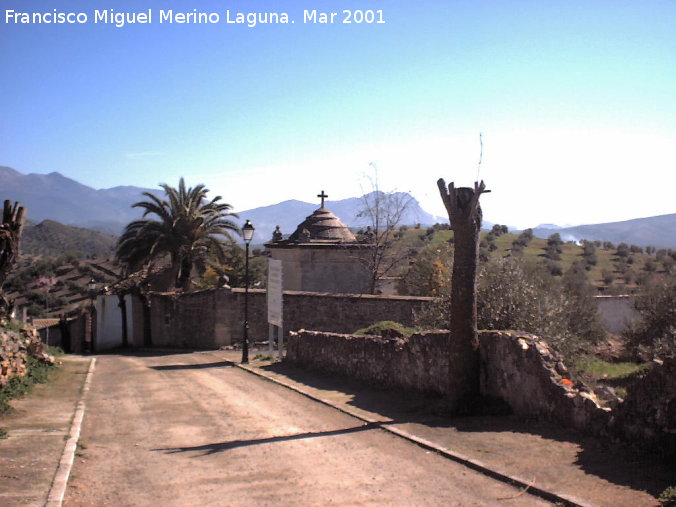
(191, 429)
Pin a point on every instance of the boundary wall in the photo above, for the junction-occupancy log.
(515, 367)
(214, 318)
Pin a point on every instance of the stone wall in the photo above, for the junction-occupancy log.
(420, 362)
(516, 367)
(521, 369)
(648, 414)
(185, 321)
(345, 313)
(15, 348)
(215, 317)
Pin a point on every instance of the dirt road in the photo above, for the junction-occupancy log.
(191, 429)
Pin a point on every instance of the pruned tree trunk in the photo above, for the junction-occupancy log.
(183, 281)
(464, 213)
(13, 218)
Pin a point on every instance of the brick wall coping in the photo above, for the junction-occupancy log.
(321, 246)
(340, 295)
(300, 293)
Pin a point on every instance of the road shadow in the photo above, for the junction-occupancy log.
(401, 405)
(216, 447)
(148, 352)
(610, 461)
(197, 366)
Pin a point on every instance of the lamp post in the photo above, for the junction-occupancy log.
(91, 287)
(247, 234)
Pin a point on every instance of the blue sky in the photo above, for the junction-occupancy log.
(576, 101)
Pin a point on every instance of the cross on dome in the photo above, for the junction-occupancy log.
(322, 196)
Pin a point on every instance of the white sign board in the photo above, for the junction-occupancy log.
(275, 292)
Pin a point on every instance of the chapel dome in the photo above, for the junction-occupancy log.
(322, 226)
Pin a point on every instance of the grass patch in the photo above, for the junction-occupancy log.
(602, 369)
(3, 433)
(619, 376)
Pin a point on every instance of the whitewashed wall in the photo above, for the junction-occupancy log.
(617, 312)
(109, 322)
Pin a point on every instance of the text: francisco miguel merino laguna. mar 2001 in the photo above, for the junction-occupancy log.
(120, 19)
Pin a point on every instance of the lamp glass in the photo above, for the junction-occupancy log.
(248, 231)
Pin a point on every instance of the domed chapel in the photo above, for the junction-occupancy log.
(322, 255)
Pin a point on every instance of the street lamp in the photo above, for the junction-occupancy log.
(247, 234)
(91, 287)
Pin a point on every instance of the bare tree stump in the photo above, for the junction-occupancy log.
(464, 213)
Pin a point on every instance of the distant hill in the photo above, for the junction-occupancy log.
(659, 231)
(55, 197)
(288, 214)
(52, 238)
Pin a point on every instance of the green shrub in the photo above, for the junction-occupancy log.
(265, 357)
(655, 332)
(37, 372)
(514, 294)
(11, 325)
(668, 497)
(55, 351)
(387, 328)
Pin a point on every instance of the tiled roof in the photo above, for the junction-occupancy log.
(43, 323)
(323, 226)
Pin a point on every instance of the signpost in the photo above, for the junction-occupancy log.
(275, 306)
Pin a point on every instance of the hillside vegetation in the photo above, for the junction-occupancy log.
(612, 268)
(50, 238)
(50, 286)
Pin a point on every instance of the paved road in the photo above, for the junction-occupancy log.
(191, 429)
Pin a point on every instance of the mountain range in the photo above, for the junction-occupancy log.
(58, 198)
(659, 231)
(288, 214)
(55, 197)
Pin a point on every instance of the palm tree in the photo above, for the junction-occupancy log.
(189, 227)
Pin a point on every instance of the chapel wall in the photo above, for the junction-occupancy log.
(333, 270)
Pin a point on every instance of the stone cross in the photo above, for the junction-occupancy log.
(322, 196)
